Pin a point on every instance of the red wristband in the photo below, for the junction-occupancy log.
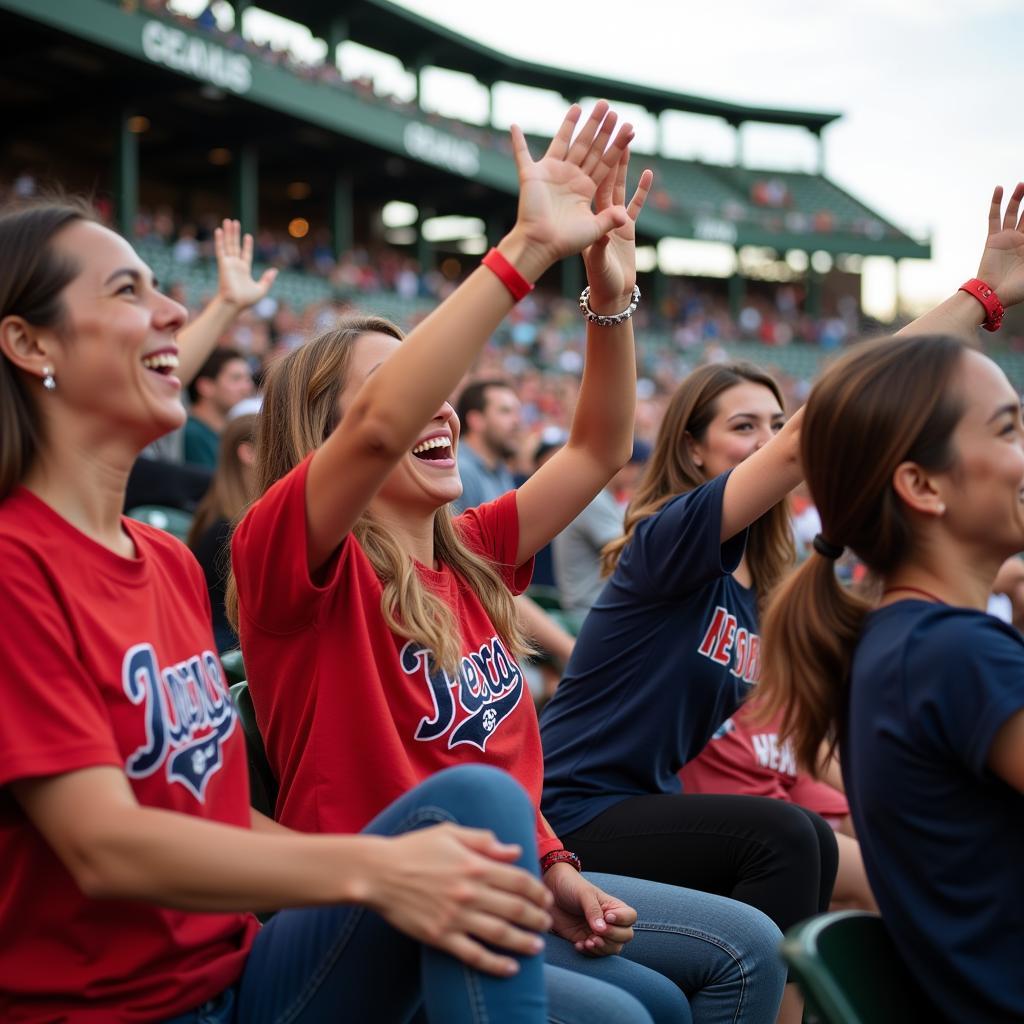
(517, 285)
(988, 298)
(549, 860)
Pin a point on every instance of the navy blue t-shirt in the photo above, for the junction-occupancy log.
(666, 654)
(942, 837)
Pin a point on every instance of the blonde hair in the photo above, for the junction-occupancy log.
(671, 471)
(299, 412)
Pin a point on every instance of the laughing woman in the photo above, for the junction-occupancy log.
(379, 632)
(130, 853)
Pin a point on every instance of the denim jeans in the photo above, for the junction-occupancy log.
(346, 964)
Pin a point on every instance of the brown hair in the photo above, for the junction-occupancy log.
(671, 471)
(229, 491)
(886, 402)
(300, 410)
(32, 277)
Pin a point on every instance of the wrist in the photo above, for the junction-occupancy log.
(358, 868)
(529, 258)
(606, 304)
(227, 305)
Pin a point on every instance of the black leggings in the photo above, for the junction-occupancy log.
(773, 855)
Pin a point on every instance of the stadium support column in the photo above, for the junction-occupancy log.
(812, 304)
(737, 290)
(424, 250)
(247, 188)
(342, 214)
(126, 175)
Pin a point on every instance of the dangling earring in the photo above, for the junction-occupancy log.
(48, 379)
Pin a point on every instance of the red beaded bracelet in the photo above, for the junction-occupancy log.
(549, 860)
(988, 298)
(517, 285)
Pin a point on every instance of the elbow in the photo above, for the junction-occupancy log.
(99, 871)
(377, 432)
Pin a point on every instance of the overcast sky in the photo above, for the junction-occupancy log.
(931, 92)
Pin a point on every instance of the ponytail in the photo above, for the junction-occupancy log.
(808, 636)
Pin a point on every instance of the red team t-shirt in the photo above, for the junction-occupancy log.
(352, 715)
(108, 661)
(747, 758)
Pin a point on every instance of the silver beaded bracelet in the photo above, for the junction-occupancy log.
(616, 318)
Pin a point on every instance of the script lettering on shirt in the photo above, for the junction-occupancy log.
(469, 708)
(189, 714)
(727, 643)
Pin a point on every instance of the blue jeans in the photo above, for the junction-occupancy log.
(346, 964)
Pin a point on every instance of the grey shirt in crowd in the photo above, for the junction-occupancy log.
(480, 483)
(577, 552)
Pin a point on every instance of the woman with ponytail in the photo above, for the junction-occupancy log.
(913, 450)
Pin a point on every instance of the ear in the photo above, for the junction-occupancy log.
(694, 450)
(918, 490)
(205, 387)
(24, 346)
(473, 421)
(247, 454)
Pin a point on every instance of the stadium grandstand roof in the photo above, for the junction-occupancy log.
(417, 41)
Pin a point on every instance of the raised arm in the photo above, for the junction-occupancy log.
(401, 396)
(770, 474)
(601, 437)
(1001, 267)
(237, 290)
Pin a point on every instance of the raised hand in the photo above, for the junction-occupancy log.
(236, 285)
(594, 922)
(611, 260)
(1002, 262)
(556, 193)
(448, 886)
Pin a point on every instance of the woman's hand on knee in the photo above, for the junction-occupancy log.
(596, 923)
(454, 888)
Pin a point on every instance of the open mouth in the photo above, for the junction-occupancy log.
(163, 363)
(434, 449)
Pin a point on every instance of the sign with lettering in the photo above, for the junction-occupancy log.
(439, 148)
(180, 51)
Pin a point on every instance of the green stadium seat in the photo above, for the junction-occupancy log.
(262, 784)
(163, 517)
(234, 668)
(850, 971)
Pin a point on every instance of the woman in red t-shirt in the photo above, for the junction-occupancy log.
(129, 852)
(379, 632)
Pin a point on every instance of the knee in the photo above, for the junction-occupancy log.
(479, 796)
(792, 837)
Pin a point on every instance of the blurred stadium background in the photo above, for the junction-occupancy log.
(172, 122)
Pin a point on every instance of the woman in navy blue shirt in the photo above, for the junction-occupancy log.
(670, 650)
(924, 693)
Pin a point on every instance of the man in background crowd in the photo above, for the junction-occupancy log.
(221, 383)
(489, 412)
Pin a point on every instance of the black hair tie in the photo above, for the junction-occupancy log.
(827, 549)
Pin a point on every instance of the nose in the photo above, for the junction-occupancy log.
(445, 413)
(169, 315)
(764, 435)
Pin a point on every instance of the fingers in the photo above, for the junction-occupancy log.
(600, 143)
(496, 931)
(227, 239)
(610, 219)
(618, 179)
(520, 150)
(643, 190)
(516, 910)
(579, 149)
(267, 279)
(247, 249)
(610, 159)
(478, 957)
(559, 146)
(994, 209)
(1010, 220)
(218, 243)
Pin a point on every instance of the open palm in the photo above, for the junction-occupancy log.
(1002, 262)
(556, 193)
(236, 284)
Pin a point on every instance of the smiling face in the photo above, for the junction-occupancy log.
(427, 477)
(983, 492)
(747, 416)
(115, 355)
